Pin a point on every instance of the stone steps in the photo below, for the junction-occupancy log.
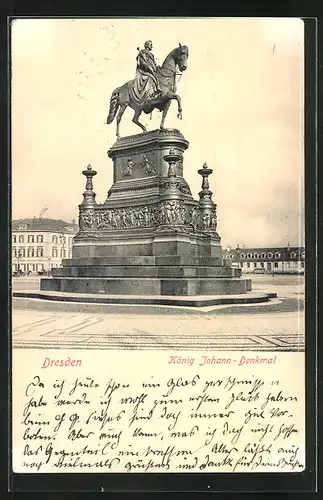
(146, 271)
(144, 260)
(147, 286)
(196, 301)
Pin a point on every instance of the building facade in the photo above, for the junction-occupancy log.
(272, 260)
(40, 244)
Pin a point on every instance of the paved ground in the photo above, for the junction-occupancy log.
(277, 326)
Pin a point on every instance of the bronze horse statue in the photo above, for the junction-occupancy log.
(123, 96)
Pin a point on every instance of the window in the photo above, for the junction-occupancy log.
(242, 256)
(70, 240)
(248, 264)
(22, 226)
(34, 267)
(40, 238)
(31, 252)
(31, 238)
(262, 264)
(70, 254)
(276, 264)
(63, 253)
(54, 252)
(14, 251)
(62, 239)
(40, 252)
(21, 238)
(277, 255)
(270, 255)
(263, 256)
(303, 254)
(21, 252)
(293, 255)
(14, 239)
(302, 264)
(256, 255)
(255, 264)
(249, 256)
(54, 239)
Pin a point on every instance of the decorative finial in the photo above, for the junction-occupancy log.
(89, 195)
(172, 158)
(205, 194)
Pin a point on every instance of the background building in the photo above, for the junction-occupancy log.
(40, 244)
(277, 260)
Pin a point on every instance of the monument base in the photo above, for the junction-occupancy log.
(151, 275)
(148, 286)
(149, 237)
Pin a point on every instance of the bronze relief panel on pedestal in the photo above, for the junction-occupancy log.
(138, 166)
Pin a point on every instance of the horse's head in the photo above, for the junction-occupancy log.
(181, 55)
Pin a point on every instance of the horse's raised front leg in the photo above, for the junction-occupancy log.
(179, 103)
(120, 113)
(165, 111)
(172, 96)
(136, 121)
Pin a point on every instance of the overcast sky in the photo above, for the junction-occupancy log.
(242, 98)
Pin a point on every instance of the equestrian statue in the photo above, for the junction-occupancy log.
(154, 87)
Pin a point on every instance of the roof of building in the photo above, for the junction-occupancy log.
(263, 249)
(42, 224)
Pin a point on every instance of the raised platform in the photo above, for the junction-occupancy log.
(193, 301)
(148, 286)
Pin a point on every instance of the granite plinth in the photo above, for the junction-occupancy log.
(124, 244)
(147, 260)
(147, 271)
(148, 286)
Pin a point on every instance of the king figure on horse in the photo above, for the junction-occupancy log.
(153, 87)
(146, 82)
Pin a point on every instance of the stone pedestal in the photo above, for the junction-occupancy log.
(150, 236)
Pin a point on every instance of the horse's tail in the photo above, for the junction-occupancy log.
(114, 104)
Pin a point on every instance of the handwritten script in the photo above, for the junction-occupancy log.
(163, 420)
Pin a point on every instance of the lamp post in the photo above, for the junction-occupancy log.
(19, 254)
(286, 256)
(238, 256)
(62, 241)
